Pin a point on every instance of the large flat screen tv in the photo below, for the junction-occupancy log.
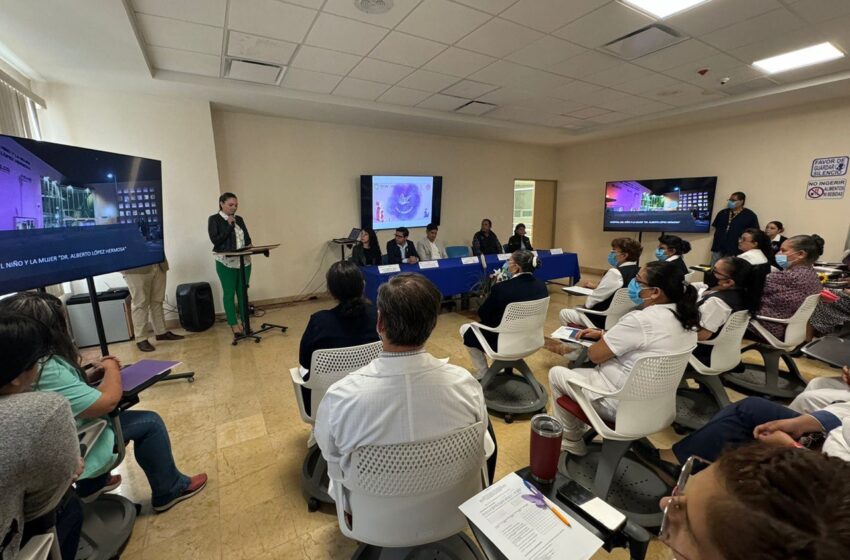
(67, 213)
(668, 205)
(392, 201)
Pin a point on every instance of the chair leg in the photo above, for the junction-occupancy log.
(792, 366)
(612, 452)
(495, 367)
(771, 358)
(715, 387)
(526, 371)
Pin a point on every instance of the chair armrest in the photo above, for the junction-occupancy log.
(484, 327)
(773, 319)
(476, 330)
(295, 374)
(37, 548)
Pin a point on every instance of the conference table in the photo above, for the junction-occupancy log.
(453, 276)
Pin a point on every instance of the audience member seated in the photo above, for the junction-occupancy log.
(671, 248)
(664, 323)
(40, 454)
(405, 394)
(822, 392)
(738, 287)
(400, 249)
(430, 249)
(519, 241)
(785, 290)
(485, 242)
(62, 374)
(761, 502)
(623, 258)
(829, 316)
(350, 323)
(367, 252)
(755, 248)
(521, 286)
(774, 231)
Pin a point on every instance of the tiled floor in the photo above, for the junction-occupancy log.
(239, 423)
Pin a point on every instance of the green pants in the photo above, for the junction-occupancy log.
(231, 286)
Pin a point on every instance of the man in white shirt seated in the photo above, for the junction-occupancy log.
(430, 249)
(405, 394)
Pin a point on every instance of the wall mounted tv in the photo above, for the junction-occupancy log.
(67, 213)
(391, 201)
(668, 205)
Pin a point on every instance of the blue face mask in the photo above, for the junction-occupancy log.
(660, 255)
(731, 204)
(507, 271)
(612, 259)
(634, 292)
(782, 261)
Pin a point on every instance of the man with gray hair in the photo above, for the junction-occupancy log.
(405, 394)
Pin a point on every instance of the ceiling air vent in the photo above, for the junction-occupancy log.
(643, 42)
(256, 72)
(475, 108)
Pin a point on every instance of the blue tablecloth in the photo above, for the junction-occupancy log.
(453, 277)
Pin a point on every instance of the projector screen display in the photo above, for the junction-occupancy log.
(393, 201)
(67, 213)
(660, 205)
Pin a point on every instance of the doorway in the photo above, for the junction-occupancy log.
(534, 206)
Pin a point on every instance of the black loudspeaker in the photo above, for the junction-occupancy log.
(195, 306)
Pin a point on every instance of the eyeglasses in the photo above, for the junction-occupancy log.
(674, 503)
(719, 275)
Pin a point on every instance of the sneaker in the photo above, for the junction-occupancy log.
(111, 484)
(196, 484)
(577, 448)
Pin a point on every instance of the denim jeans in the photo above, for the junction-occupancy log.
(152, 449)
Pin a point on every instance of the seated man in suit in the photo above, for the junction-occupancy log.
(430, 249)
(401, 249)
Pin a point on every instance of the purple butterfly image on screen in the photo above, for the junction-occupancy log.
(404, 201)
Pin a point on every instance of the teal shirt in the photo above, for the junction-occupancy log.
(58, 376)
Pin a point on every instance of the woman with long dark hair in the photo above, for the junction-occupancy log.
(228, 232)
(367, 251)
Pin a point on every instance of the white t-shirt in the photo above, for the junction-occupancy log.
(713, 314)
(611, 281)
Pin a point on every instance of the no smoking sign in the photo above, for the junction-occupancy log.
(826, 189)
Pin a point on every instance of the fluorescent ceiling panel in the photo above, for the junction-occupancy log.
(664, 8)
(808, 56)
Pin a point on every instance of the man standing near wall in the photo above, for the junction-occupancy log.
(729, 224)
(147, 293)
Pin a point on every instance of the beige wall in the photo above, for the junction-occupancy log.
(298, 184)
(768, 156)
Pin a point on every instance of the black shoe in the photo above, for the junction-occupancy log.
(145, 346)
(168, 335)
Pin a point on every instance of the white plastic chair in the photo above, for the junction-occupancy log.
(768, 380)
(40, 547)
(620, 305)
(520, 334)
(407, 494)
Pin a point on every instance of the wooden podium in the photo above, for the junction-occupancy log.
(247, 332)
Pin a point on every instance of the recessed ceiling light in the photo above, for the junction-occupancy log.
(664, 8)
(808, 56)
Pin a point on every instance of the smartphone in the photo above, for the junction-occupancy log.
(597, 509)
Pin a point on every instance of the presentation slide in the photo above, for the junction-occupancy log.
(399, 201)
(660, 205)
(67, 213)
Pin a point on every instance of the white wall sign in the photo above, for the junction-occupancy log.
(830, 166)
(826, 189)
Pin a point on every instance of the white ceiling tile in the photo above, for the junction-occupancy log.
(243, 45)
(520, 114)
(619, 74)
(176, 34)
(499, 38)
(398, 95)
(676, 55)
(837, 31)
(750, 86)
(610, 98)
(713, 15)
(458, 62)
(753, 30)
(476, 108)
(649, 107)
(608, 118)
(469, 89)
(507, 96)
(442, 21)
(676, 94)
(588, 113)
(185, 61)
(340, 34)
(380, 71)
(653, 82)
(549, 15)
(208, 12)
(323, 60)
(315, 4)
(426, 80)
(360, 89)
(546, 52)
(390, 19)
(817, 11)
(716, 65)
(489, 6)
(604, 25)
(540, 81)
(585, 64)
(528, 100)
(503, 73)
(270, 18)
(406, 49)
(306, 80)
(576, 91)
(624, 103)
(442, 102)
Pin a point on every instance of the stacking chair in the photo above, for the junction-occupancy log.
(401, 501)
(454, 251)
(620, 305)
(695, 407)
(326, 368)
(647, 404)
(768, 380)
(520, 335)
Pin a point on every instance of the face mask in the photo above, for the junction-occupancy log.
(506, 271)
(731, 204)
(782, 261)
(634, 292)
(612, 259)
(660, 255)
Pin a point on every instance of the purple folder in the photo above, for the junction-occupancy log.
(143, 374)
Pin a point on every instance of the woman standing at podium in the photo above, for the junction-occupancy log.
(228, 233)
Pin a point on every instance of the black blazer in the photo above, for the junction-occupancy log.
(525, 287)
(223, 235)
(394, 253)
(680, 262)
(775, 245)
(514, 243)
(329, 329)
(365, 257)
